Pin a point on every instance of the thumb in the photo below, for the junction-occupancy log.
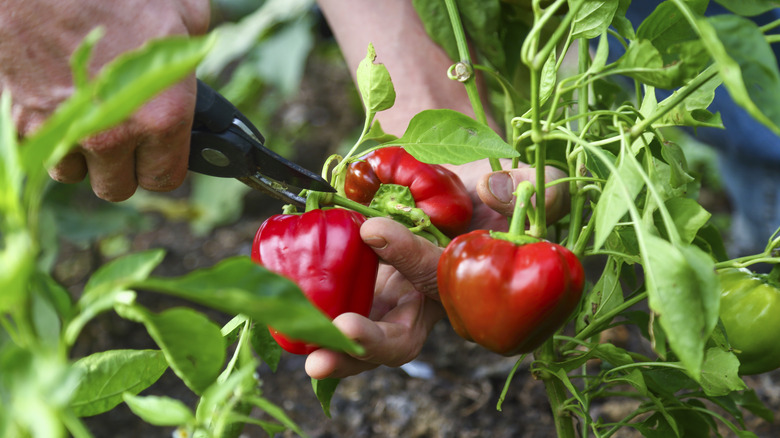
(496, 190)
(412, 256)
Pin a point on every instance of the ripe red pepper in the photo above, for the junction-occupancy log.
(322, 252)
(509, 298)
(436, 190)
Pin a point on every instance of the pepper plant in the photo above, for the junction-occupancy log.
(633, 199)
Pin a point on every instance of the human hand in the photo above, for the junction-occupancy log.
(37, 39)
(406, 301)
(405, 306)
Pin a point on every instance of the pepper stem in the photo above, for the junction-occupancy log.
(516, 233)
(523, 193)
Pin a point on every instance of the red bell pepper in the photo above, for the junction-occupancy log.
(436, 190)
(322, 252)
(508, 297)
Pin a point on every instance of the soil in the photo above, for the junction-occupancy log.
(450, 390)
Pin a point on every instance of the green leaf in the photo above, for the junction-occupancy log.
(374, 83)
(218, 401)
(79, 61)
(109, 285)
(621, 188)
(265, 346)
(481, 20)
(192, 344)
(749, 8)
(710, 240)
(239, 286)
(436, 21)
(277, 413)
(693, 110)
(719, 373)
(606, 294)
(120, 273)
(447, 136)
(548, 78)
(688, 217)
(593, 18)
(683, 291)
(621, 23)
(747, 65)
(750, 401)
(107, 375)
(645, 63)
(324, 389)
(675, 157)
(17, 252)
(666, 27)
(159, 411)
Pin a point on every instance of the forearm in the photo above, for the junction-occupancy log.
(417, 66)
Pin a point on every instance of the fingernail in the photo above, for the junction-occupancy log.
(501, 186)
(375, 242)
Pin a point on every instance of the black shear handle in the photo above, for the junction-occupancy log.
(217, 146)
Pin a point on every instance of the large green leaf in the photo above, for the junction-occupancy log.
(719, 374)
(106, 376)
(17, 253)
(447, 136)
(239, 286)
(593, 18)
(159, 411)
(747, 65)
(193, 345)
(621, 188)
(683, 291)
(749, 8)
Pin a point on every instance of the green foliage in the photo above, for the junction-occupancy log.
(633, 192)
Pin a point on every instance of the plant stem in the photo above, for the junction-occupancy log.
(523, 193)
(556, 393)
(333, 199)
(469, 82)
(672, 101)
(596, 326)
(539, 227)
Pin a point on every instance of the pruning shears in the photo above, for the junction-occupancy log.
(224, 143)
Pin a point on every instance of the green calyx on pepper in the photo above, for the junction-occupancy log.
(750, 312)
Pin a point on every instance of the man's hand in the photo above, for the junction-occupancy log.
(37, 39)
(405, 307)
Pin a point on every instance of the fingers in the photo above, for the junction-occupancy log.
(394, 341)
(161, 159)
(496, 190)
(413, 257)
(150, 150)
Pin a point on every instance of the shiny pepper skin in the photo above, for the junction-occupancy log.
(322, 252)
(436, 190)
(750, 311)
(506, 297)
